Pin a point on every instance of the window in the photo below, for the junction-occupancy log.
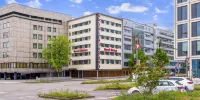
(195, 29)
(112, 23)
(181, 1)
(196, 68)
(182, 31)
(195, 47)
(34, 45)
(5, 54)
(182, 13)
(127, 47)
(102, 61)
(40, 28)
(5, 44)
(182, 49)
(34, 36)
(107, 22)
(39, 37)
(117, 61)
(48, 37)
(54, 29)
(34, 27)
(34, 55)
(112, 61)
(127, 56)
(5, 35)
(39, 55)
(196, 10)
(102, 21)
(107, 61)
(48, 29)
(39, 46)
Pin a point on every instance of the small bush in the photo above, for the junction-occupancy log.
(105, 81)
(162, 96)
(43, 81)
(64, 94)
(115, 86)
(197, 87)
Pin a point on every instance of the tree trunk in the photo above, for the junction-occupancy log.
(58, 73)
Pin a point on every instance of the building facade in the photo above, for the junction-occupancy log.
(97, 46)
(187, 40)
(24, 32)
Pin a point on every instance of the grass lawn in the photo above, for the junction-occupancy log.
(64, 95)
(115, 86)
(105, 81)
(162, 96)
(42, 81)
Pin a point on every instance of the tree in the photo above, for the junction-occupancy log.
(132, 61)
(160, 58)
(147, 76)
(58, 52)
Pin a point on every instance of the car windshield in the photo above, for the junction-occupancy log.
(177, 79)
(177, 82)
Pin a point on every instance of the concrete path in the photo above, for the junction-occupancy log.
(16, 90)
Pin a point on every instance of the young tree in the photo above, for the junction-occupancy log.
(148, 77)
(58, 52)
(132, 61)
(160, 58)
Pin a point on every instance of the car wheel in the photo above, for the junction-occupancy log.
(187, 90)
(135, 92)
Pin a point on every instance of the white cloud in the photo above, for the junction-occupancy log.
(47, 0)
(11, 1)
(160, 11)
(126, 7)
(34, 4)
(74, 6)
(87, 13)
(155, 17)
(96, 7)
(77, 1)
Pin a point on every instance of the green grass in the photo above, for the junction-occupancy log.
(115, 86)
(105, 81)
(196, 87)
(64, 94)
(162, 96)
(42, 81)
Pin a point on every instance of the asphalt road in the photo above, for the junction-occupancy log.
(17, 90)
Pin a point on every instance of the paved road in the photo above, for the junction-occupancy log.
(16, 90)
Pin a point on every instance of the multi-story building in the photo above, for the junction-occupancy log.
(24, 32)
(97, 46)
(134, 33)
(187, 34)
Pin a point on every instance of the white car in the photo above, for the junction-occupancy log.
(187, 83)
(163, 85)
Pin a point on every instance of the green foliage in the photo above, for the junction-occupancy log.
(58, 52)
(63, 94)
(197, 87)
(160, 58)
(115, 86)
(141, 56)
(105, 81)
(147, 76)
(42, 81)
(162, 96)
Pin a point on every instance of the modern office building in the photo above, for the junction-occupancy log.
(187, 34)
(136, 33)
(24, 32)
(97, 46)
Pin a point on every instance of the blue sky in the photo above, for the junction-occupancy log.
(143, 11)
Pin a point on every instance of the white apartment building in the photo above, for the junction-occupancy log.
(97, 46)
(24, 32)
(187, 34)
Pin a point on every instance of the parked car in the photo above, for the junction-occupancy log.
(187, 83)
(172, 74)
(163, 85)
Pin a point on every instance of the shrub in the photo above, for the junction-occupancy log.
(162, 96)
(105, 81)
(115, 86)
(196, 87)
(64, 94)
